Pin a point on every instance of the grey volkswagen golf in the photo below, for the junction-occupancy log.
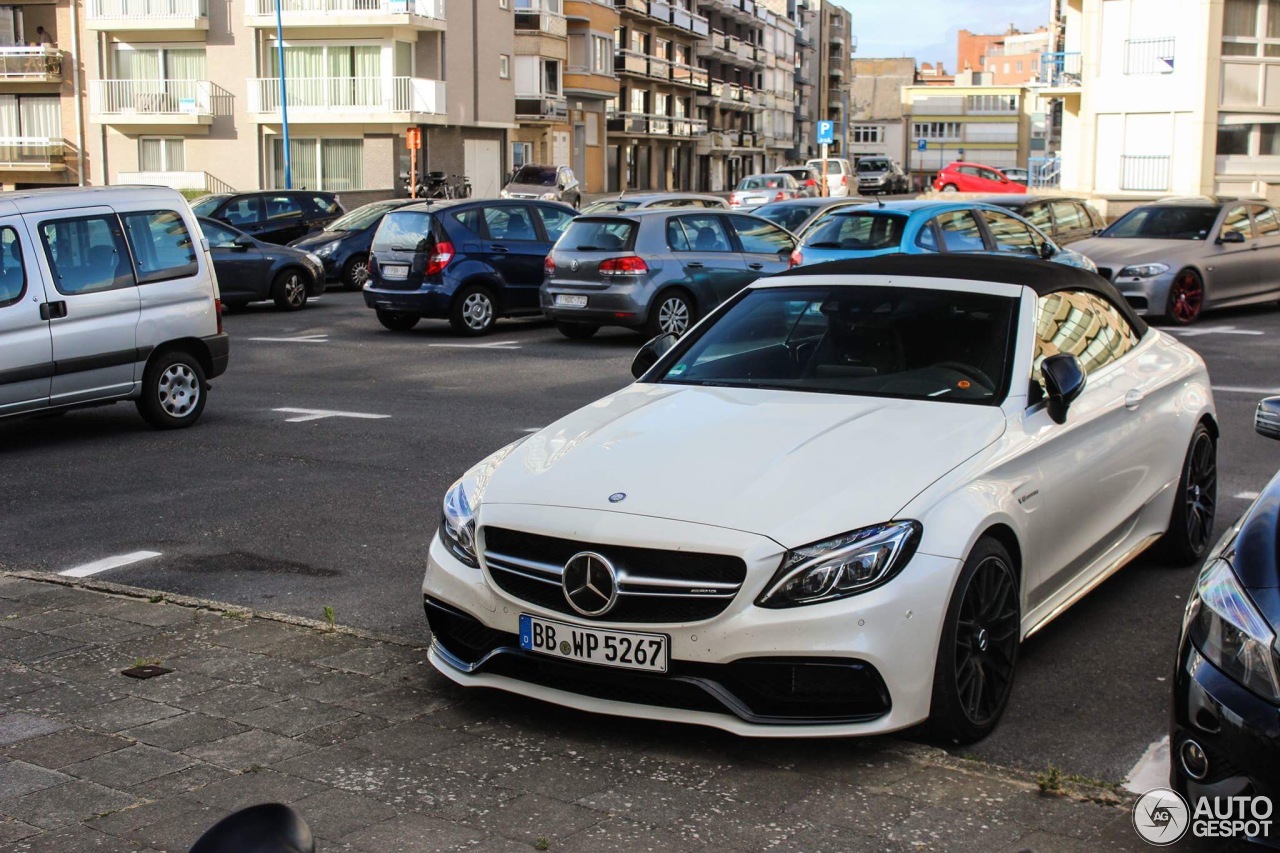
(657, 270)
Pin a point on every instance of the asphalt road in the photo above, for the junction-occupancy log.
(260, 507)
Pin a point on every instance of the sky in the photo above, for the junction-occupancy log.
(926, 29)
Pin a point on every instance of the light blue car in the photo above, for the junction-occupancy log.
(926, 227)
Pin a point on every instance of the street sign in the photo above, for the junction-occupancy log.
(922, 144)
(413, 138)
(826, 132)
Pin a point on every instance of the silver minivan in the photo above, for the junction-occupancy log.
(107, 294)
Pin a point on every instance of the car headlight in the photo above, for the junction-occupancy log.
(462, 502)
(326, 250)
(549, 196)
(1143, 271)
(315, 259)
(503, 194)
(849, 564)
(1226, 627)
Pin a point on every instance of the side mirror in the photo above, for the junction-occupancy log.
(1266, 421)
(266, 828)
(653, 350)
(1063, 382)
(1230, 237)
(244, 241)
(1047, 250)
(1097, 231)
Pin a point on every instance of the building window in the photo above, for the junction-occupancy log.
(1269, 140)
(1251, 28)
(504, 66)
(602, 55)
(593, 129)
(161, 154)
(521, 153)
(578, 51)
(504, 4)
(991, 103)
(868, 133)
(30, 116)
(333, 165)
(940, 130)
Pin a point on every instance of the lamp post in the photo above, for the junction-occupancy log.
(284, 98)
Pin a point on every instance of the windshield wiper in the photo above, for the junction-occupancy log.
(824, 244)
(588, 248)
(406, 249)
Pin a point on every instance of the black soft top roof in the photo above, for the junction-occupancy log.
(1044, 277)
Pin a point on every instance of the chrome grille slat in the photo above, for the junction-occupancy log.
(511, 571)
(549, 568)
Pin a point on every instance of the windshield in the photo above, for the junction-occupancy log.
(920, 344)
(789, 216)
(611, 205)
(597, 235)
(763, 182)
(873, 166)
(541, 175)
(858, 231)
(1161, 222)
(404, 231)
(362, 217)
(206, 205)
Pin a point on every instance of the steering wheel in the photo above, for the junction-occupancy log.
(968, 370)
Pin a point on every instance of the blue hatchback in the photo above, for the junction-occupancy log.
(466, 261)
(925, 227)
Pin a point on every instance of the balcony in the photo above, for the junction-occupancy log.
(41, 64)
(1060, 71)
(742, 10)
(137, 15)
(349, 100)
(636, 7)
(727, 48)
(723, 141)
(156, 102)
(540, 16)
(1149, 56)
(837, 40)
(541, 108)
(1145, 173)
(418, 14)
(836, 72)
(653, 68)
(678, 18)
(731, 96)
(176, 180)
(31, 154)
(642, 124)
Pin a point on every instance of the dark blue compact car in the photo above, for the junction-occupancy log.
(466, 261)
(343, 246)
(1226, 697)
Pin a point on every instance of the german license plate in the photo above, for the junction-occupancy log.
(395, 272)
(622, 649)
(571, 301)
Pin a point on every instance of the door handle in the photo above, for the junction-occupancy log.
(756, 265)
(694, 265)
(498, 249)
(53, 310)
(1133, 399)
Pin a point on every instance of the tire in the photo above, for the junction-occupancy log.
(1186, 298)
(355, 272)
(397, 321)
(173, 390)
(289, 290)
(950, 188)
(231, 306)
(978, 652)
(1195, 503)
(474, 311)
(672, 311)
(577, 331)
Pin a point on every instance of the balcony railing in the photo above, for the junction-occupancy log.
(539, 107)
(350, 11)
(31, 153)
(360, 95)
(1060, 70)
(540, 16)
(641, 124)
(1148, 173)
(688, 75)
(669, 13)
(157, 98)
(1149, 56)
(147, 12)
(1043, 172)
(36, 64)
(639, 6)
(176, 180)
(634, 62)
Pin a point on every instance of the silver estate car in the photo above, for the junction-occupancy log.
(1180, 257)
(658, 270)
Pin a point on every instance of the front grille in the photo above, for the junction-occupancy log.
(1105, 272)
(653, 585)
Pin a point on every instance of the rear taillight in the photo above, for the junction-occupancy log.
(439, 258)
(797, 259)
(733, 199)
(811, 183)
(780, 196)
(217, 313)
(549, 266)
(630, 265)
(844, 179)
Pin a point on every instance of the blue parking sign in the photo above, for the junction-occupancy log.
(922, 144)
(826, 132)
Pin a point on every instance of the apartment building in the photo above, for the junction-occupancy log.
(1012, 58)
(1168, 97)
(985, 124)
(807, 16)
(836, 52)
(876, 108)
(590, 86)
(41, 130)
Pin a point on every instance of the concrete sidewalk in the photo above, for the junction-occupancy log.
(381, 754)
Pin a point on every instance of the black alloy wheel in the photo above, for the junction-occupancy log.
(1195, 505)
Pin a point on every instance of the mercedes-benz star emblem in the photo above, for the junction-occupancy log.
(590, 584)
(617, 497)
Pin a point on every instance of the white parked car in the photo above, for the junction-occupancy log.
(839, 174)
(834, 507)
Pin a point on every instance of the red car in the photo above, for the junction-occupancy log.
(975, 178)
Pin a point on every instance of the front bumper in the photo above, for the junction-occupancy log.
(1148, 296)
(1238, 731)
(871, 656)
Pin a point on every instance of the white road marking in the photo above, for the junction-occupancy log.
(1152, 769)
(320, 414)
(1244, 389)
(1245, 496)
(493, 345)
(108, 563)
(301, 339)
(1212, 330)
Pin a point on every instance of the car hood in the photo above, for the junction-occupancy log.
(312, 241)
(793, 466)
(1117, 252)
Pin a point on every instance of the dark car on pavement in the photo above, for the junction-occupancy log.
(343, 246)
(250, 270)
(658, 270)
(273, 216)
(797, 214)
(1225, 738)
(470, 262)
(1064, 219)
